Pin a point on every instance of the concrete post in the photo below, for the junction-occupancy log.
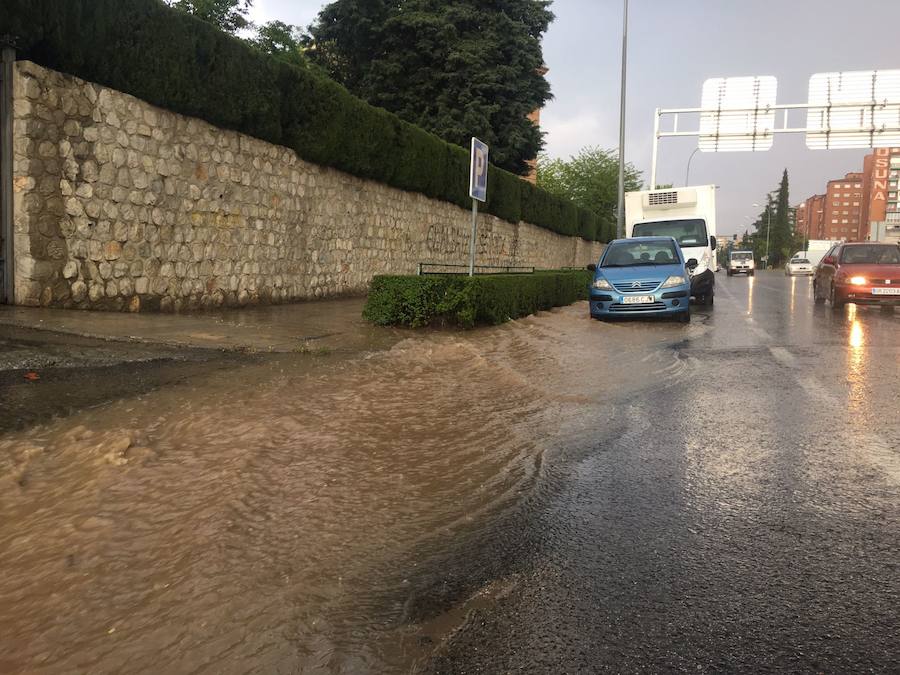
(7, 259)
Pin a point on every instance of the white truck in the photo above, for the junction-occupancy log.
(689, 215)
(815, 250)
(887, 232)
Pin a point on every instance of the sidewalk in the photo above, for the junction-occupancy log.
(332, 325)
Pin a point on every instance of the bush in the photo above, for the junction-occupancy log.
(465, 301)
(172, 60)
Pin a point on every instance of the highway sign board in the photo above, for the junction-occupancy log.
(738, 114)
(478, 170)
(858, 109)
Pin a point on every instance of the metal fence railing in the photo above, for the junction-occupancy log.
(451, 268)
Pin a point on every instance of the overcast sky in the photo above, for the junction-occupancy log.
(673, 46)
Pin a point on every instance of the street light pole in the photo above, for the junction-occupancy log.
(687, 173)
(620, 212)
(768, 229)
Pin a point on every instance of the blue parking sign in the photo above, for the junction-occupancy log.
(478, 170)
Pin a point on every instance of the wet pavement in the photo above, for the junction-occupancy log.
(551, 495)
(332, 325)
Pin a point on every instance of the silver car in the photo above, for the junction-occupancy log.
(798, 267)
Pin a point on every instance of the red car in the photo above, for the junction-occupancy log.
(859, 272)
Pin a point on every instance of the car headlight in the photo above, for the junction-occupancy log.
(750, 263)
(674, 280)
(602, 284)
(858, 281)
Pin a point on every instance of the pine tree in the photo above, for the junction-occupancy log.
(782, 237)
(458, 68)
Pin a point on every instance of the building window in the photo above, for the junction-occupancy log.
(855, 203)
(844, 220)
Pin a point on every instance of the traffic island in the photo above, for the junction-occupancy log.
(463, 302)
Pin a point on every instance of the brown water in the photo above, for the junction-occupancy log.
(287, 516)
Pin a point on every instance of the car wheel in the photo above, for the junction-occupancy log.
(751, 273)
(684, 317)
(835, 303)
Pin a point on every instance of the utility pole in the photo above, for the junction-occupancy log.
(620, 212)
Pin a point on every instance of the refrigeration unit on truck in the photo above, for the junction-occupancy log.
(689, 215)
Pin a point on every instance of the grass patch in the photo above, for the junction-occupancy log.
(462, 301)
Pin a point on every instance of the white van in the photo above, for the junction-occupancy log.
(741, 262)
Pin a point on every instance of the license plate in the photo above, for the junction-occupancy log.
(886, 291)
(642, 299)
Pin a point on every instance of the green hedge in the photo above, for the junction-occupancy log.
(465, 301)
(170, 59)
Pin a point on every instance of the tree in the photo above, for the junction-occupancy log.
(590, 179)
(283, 41)
(458, 68)
(773, 226)
(782, 235)
(229, 15)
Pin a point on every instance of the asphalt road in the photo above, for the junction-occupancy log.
(744, 519)
(553, 495)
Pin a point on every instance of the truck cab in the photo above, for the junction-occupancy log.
(689, 216)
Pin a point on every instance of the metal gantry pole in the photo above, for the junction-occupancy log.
(620, 200)
(7, 60)
(655, 154)
(472, 240)
(768, 229)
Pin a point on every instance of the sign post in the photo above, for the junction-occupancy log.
(478, 173)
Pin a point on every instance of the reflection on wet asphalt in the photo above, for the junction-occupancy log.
(551, 495)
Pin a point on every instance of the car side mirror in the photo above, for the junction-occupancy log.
(691, 264)
(592, 268)
(828, 260)
(712, 243)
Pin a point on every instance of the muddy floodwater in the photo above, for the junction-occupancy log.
(300, 512)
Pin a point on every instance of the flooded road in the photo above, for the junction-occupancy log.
(554, 493)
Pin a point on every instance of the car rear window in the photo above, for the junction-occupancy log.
(800, 261)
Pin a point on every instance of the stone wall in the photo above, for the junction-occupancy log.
(122, 205)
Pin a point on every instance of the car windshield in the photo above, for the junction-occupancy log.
(743, 255)
(631, 253)
(689, 232)
(800, 261)
(873, 254)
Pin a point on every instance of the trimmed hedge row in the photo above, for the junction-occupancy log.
(170, 59)
(465, 301)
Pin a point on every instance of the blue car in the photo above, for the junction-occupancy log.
(642, 276)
